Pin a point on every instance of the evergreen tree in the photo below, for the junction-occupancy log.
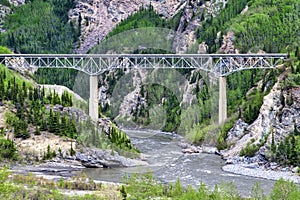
(296, 132)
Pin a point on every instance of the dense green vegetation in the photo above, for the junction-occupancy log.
(5, 3)
(285, 152)
(28, 101)
(145, 18)
(154, 94)
(8, 148)
(65, 77)
(43, 27)
(208, 30)
(40, 27)
(293, 79)
(272, 26)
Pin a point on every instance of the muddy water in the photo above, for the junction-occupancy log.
(167, 164)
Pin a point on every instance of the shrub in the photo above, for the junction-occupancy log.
(284, 190)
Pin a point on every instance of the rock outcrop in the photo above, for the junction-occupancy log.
(17, 2)
(275, 116)
(227, 45)
(4, 10)
(97, 18)
(105, 158)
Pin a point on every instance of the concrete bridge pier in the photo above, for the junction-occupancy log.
(222, 100)
(93, 101)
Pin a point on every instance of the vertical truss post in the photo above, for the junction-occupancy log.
(222, 100)
(210, 63)
(93, 101)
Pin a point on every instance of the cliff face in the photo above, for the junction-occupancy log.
(275, 116)
(98, 18)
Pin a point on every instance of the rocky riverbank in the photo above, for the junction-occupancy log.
(69, 166)
(254, 167)
(254, 170)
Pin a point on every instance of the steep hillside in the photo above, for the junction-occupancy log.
(40, 124)
(271, 26)
(274, 134)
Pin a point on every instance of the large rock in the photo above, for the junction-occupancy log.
(295, 169)
(236, 132)
(106, 158)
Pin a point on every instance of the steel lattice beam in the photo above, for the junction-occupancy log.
(95, 64)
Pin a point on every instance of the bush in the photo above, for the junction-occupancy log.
(250, 150)
(7, 149)
(284, 190)
(222, 135)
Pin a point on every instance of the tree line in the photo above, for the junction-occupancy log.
(29, 103)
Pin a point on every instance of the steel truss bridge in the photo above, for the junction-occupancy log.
(95, 64)
(220, 65)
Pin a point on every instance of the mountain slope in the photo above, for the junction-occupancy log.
(271, 26)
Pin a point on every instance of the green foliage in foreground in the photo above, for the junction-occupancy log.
(7, 148)
(30, 187)
(135, 187)
(146, 187)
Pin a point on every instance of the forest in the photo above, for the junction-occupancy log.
(268, 25)
(146, 17)
(40, 27)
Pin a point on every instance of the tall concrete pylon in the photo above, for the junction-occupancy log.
(93, 101)
(222, 100)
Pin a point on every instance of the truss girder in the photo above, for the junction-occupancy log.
(94, 64)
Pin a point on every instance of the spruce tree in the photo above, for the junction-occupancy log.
(296, 132)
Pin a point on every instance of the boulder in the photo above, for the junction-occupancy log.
(251, 166)
(210, 150)
(97, 158)
(295, 169)
(237, 131)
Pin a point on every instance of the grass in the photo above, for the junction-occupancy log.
(33, 187)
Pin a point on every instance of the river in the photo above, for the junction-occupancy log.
(168, 163)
